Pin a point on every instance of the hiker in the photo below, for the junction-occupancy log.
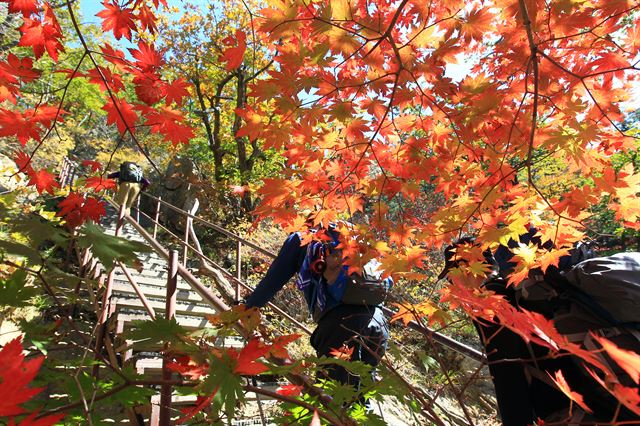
(359, 324)
(130, 182)
(520, 370)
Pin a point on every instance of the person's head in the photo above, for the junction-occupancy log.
(454, 259)
(328, 255)
(334, 258)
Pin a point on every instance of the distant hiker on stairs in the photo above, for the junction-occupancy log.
(130, 182)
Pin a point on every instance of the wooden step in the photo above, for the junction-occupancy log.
(183, 294)
(151, 281)
(182, 307)
(189, 323)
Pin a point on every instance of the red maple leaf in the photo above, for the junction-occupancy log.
(42, 35)
(117, 19)
(148, 88)
(93, 209)
(15, 376)
(73, 202)
(122, 115)
(92, 164)
(186, 367)
(43, 180)
(148, 59)
(175, 91)
(98, 183)
(76, 209)
(147, 18)
(23, 161)
(104, 78)
(290, 390)
(167, 122)
(201, 402)
(28, 124)
(21, 68)
(114, 56)
(26, 7)
(233, 56)
(246, 359)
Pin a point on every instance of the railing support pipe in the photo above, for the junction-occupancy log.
(157, 216)
(106, 299)
(170, 311)
(238, 268)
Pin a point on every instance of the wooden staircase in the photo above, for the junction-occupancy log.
(142, 295)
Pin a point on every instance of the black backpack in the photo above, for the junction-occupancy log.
(130, 172)
(598, 296)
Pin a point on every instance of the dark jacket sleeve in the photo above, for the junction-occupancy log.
(114, 175)
(145, 183)
(283, 267)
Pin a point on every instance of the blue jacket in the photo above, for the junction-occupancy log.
(289, 261)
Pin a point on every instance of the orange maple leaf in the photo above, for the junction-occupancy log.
(43, 181)
(344, 352)
(408, 312)
(246, 359)
(117, 19)
(233, 56)
(629, 361)
(562, 384)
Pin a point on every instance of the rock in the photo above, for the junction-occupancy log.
(176, 187)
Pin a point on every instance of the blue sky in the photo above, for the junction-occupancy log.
(89, 8)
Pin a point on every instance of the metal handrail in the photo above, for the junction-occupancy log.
(205, 293)
(218, 228)
(227, 273)
(427, 331)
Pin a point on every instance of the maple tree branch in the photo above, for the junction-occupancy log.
(392, 24)
(55, 119)
(107, 86)
(534, 65)
(588, 90)
(285, 398)
(433, 24)
(590, 30)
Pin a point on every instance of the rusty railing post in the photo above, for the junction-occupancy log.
(170, 310)
(106, 299)
(156, 218)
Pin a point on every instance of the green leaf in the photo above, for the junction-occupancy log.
(158, 330)
(108, 248)
(39, 231)
(20, 250)
(229, 385)
(14, 292)
(134, 395)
